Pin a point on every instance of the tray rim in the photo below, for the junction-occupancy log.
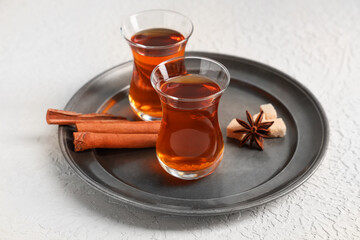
(292, 185)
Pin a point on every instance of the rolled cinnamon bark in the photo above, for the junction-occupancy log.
(89, 140)
(120, 126)
(60, 117)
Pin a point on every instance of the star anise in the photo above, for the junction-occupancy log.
(255, 131)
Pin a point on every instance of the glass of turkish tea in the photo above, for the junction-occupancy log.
(190, 144)
(154, 36)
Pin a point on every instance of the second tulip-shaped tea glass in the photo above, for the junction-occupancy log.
(154, 36)
(190, 144)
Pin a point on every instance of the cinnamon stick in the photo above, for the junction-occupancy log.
(121, 126)
(88, 140)
(60, 117)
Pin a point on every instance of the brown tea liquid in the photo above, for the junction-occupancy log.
(190, 138)
(159, 46)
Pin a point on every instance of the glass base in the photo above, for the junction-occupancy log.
(142, 115)
(191, 175)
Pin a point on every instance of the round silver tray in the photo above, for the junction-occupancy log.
(245, 178)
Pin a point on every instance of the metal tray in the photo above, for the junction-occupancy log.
(245, 178)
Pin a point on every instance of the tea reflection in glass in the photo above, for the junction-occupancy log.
(190, 144)
(154, 36)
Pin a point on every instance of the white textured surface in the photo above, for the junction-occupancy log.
(49, 49)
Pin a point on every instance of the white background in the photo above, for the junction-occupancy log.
(49, 49)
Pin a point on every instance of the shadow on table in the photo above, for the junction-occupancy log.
(109, 208)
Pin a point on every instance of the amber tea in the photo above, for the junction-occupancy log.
(142, 96)
(190, 144)
(154, 36)
(190, 139)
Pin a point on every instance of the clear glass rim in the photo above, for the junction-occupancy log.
(186, 38)
(152, 77)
